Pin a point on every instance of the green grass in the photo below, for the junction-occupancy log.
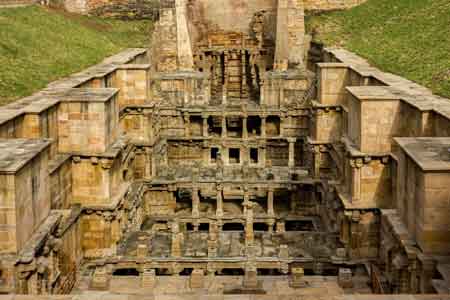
(38, 46)
(410, 38)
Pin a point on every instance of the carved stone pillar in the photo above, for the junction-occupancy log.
(148, 278)
(212, 239)
(246, 200)
(263, 126)
(244, 128)
(195, 202)
(187, 125)
(153, 168)
(205, 126)
(291, 142)
(225, 79)
(283, 252)
(297, 278)
(142, 248)
(263, 159)
(224, 126)
(249, 234)
(219, 206)
(356, 165)
(316, 160)
(413, 282)
(177, 238)
(100, 279)
(244, 87)
(355, 235)
(280, 227)
(197, 279)
(270, 209)
(250, 277)
(345, 278)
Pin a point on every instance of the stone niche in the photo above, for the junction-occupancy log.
(24, 191)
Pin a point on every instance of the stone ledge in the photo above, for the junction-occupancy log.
(430, 154)
(15, 153)
(406, 90)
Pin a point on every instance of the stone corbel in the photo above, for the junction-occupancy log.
(356, 216)
(356, 163)
(76, 159)
(348, 215)
(106, 163)
(315, 149)
(323, 148)
(94, 160)
(284, 268)
(176, 268)
(108, 216)
(319, 112)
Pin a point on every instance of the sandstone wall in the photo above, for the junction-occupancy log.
(233, 15)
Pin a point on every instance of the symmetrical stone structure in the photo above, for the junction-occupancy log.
(227, 148)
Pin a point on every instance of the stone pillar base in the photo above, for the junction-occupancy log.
(297, 278)
(197, 279)
(345, 278)
(148, 279)
(100, 279)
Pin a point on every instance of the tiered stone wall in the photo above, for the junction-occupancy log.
(44, 218)
(395, 139)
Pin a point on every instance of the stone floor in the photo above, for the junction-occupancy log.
(225, 287)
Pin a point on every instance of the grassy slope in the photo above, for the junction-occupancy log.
(410, 38)
(38, 46)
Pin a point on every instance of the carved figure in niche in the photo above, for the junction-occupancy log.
(257, 27)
